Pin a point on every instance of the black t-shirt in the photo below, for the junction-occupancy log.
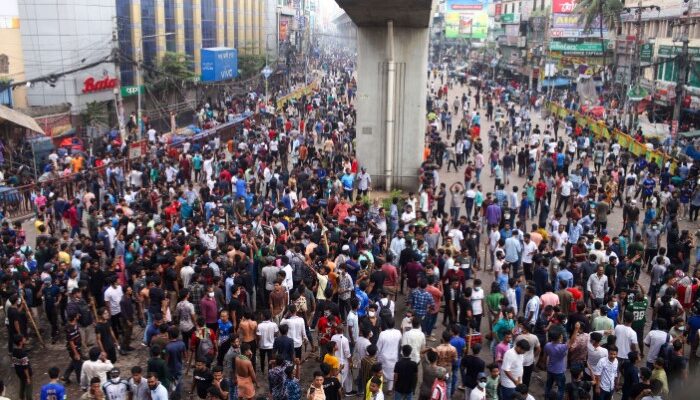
(676, 365)
(73, 335)
(407, 371)
(169, 279)
(102, 329)
(202, 382)
(638, 388)
(465, 305)
(215, 393)
(156, 295)
(331, 387)
(472, 365)
(20, 360)
(578, 390)
(378, 278)
(14, 314)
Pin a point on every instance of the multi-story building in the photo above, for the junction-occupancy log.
(661, 41)
(150, 28)
(60, 35)
(11, 56)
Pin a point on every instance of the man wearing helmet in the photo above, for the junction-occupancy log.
(116, 388)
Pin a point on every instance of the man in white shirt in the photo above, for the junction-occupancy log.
(564, 193)
(342, 352)
(113, 295)
(297, 329)
(512, 368)
(626, 336)
(266, 332)
(387, 352)
(456, 235)
(414, 338)
(532, 308)
(606, 376)
(655, 339)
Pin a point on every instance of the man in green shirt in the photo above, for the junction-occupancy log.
(638, 303)
(635, 253)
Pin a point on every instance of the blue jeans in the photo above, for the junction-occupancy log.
(505, 393)
(149, 322)
(560, 380)
(401, 396)
(429, 323)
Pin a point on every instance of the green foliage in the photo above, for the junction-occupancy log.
(395, 194)
(250, 64)
(173, 72)
(95, 114)
(589, 10)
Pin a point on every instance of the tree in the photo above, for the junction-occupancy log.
(173, 72)
(250, 65)
(606, 12)
(95, 114)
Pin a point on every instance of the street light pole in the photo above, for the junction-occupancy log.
(683, 60)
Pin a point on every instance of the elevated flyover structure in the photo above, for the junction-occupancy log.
(392, 62)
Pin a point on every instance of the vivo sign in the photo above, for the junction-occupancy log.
(219, 63)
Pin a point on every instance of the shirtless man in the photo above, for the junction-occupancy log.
(245, 374)
(246, 332)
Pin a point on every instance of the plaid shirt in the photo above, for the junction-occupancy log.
(421, 300)
(196, 292)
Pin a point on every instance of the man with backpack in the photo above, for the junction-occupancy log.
(386, 309)
(78, 306)
(203, 343)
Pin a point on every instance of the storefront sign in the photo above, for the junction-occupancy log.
(512, 18)
(563, 6)
(646, 53)
(91, 85)
(672, 51)
(132, 90)
(577, 47)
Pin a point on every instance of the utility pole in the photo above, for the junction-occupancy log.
(683, 62)
(636, 62)
(118, 103)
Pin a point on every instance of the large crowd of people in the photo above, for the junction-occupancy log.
(232, 265)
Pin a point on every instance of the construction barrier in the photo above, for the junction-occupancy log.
(601, 130)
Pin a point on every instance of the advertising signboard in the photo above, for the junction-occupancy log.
(646, 52)
(219, 63)
(577, 47)
(462, 6)
(563, 6)
(474, 25)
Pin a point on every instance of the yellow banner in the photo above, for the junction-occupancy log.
(601, 130)
(308, 89)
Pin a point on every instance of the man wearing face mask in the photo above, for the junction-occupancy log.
(116, 388)
(209, 311)
(479, 392)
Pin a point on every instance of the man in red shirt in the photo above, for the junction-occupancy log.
(391, 281)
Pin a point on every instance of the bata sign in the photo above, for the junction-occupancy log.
(91, 85)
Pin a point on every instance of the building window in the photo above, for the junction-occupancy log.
(208, 23)
(126, 66)
(4, 64)
(669, 29)
(170, 26)
(148, 30)
(189, 27)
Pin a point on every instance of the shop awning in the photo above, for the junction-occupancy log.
(690, 134)
(17, 118)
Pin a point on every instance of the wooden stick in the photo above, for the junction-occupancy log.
(31, 318)
(469, 341)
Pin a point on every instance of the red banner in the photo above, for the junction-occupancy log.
(563, 6)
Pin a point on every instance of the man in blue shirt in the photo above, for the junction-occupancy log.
(53, 390)
(362, 298)
(513, 249)
(348, 181)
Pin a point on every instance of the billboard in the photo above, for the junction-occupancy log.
(579, 47)
(219, 63)
(563, 6)
(463, 6)
(466, 26)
